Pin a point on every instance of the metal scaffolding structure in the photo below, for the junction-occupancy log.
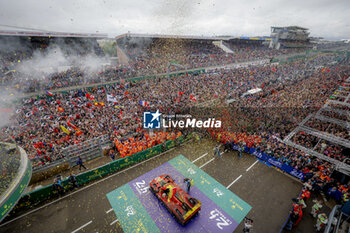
(341, 123)
(340, 102)
(297, 129)
(325, 136)
(330, 138)
(342, 96)
(331, 109)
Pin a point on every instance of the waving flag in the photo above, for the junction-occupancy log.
(99, 104)
(143, 103)
(90, 97)
(193, 98)
(65, 130)
(49, 93)
(77, 130)
(111, 98)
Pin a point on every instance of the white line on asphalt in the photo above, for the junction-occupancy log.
(234, 181)
(85, 187)
(109, 210)
(207, 163)
(217, 147)
(82, 227)
(252, 165)
(199, 157)
(113, 222)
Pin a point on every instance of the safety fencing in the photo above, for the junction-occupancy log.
(45, 193)
(87, 150)
(270, 161)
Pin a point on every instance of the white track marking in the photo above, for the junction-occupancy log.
(234, 181)
(81, 227)
(85, 187)
(109, 210)
(113, 222)
(252, 165)
(200, 157)
(207, 163)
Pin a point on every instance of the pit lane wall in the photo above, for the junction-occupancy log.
(13, 194)
(43, 194)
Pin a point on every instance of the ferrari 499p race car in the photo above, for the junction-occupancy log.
(178, 202)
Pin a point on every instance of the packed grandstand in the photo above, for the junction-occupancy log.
(298, 115)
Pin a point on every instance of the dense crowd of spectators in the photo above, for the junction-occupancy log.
(297, 88)
(320, 186)
(155, 55)
(45, 125)
(302, 98)
(145, 58)
(127, 146)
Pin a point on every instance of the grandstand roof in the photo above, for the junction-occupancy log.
(291, 28)
(192, 37)
(51, 34)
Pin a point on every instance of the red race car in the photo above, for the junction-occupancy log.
(178, 202)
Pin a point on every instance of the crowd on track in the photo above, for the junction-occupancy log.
(45, 124)
(319, 185)
(285, 95)
(132, 145)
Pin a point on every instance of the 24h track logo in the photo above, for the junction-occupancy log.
(141, 187)
(220, 218)
(130, 210)
(218, 192)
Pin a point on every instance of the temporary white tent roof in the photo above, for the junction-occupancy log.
(252, 91)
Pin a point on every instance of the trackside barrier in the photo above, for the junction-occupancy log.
(169, 144)
(274, 162)
(45, 193)
(6, 207)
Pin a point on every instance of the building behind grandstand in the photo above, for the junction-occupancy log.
(290, 36)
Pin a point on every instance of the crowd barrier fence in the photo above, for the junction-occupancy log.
(270, 160)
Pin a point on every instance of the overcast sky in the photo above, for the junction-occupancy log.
(324, 18)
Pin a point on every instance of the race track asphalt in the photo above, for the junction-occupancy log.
(267, 190)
